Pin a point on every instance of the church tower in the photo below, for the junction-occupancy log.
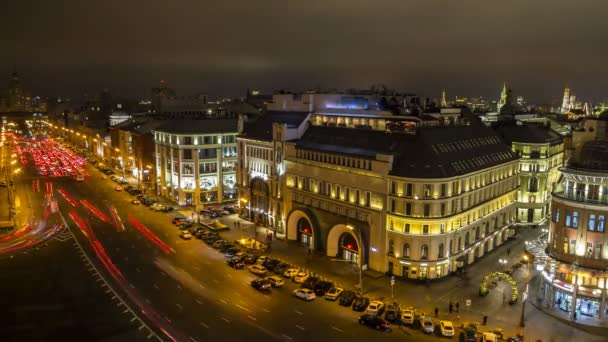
(506, 98)
(444, 102)
(566, 101)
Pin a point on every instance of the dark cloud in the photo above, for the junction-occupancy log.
(467, 47)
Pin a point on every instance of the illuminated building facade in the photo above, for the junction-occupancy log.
(541, 153)
(261, 166)
(196, 161)
(577, 279)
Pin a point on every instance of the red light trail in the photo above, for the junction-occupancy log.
(68, 198)
(148, 234)
(95, 211)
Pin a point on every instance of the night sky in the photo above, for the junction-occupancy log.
(223, 47)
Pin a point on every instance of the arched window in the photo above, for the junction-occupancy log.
(406, 250)
(440, 253)
(424, 252)
(391, 247)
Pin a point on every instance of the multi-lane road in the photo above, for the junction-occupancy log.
(193, 290)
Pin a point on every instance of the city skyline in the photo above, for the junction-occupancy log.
(467, 49)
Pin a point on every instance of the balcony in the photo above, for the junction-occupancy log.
(571, 196)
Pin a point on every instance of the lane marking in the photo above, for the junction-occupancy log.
(265, 310)
(287, 337)
(226, 320)
(336, 329)
(179, 307)
(243, 308)
(156, 287)
(192, 339)
(223, 301)
(251, 318)
(199, 302)
(298, 312)
(205, 325)
(300, 327)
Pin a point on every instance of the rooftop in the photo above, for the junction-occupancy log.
(261, 129)
(202, 126)
(528, 133)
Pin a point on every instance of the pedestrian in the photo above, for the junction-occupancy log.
(450, 306)
(485, 320)
(436, 312)
(457, 307)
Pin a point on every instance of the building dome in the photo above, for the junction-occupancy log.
(594, 155)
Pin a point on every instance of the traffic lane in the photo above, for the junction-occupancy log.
(317, 318)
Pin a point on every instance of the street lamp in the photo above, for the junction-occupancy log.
(523, 306)
(360, 250)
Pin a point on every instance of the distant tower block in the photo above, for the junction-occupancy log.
(444, 102)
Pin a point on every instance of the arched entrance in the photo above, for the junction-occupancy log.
(259, 204)
(348, 248)
(301, 226)
(343, 243)
(305, 234)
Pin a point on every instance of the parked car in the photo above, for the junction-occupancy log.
(447, 328)
(426, 323)
(305, 294)
(300, 277)
(275, 281)
(333, 293)
(407, 317)
(185, 235)
(226, 246)
(261, 284)
(118, 188)
(231, 252)
(347, 298)
(488, 337)
(135, 201)
(236, 263)
(230, 210)
(374, 322)
(393, 312)
(468, 334)
(376, 307)
(249, 259)
(260, 260)
(322, 287)
(290, 273)
(271, 263)
(310, 282)
(360, 304)
(280, 268)
(257, 269)
(218, 243)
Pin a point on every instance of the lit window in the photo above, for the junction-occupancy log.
(591, 222)
(600, 223)
(575, 219)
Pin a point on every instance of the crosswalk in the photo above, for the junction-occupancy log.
(64, 235)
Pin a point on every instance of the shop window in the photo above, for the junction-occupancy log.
(406, 250)
(591, 222)
(572, 247)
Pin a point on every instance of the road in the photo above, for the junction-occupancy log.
(193, 289)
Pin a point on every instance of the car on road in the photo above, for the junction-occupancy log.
(118, 188)
(275, 281)
(392, 313)
(236, 263)
(290, 273)
(360, 304)
(407, 317)
(258, 269)
(488, 337)
(306, 294)
(300, 277)
(3, 184)
(185, 236)
(322, 287)
(261, 284)
(374, 322)
(376, 307)
(333, 293)
(231, 210)
(135, 201)
(426, 323)
(176, 218)
(446, 328)
(347, 298)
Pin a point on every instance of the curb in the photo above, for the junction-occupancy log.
(592, 329)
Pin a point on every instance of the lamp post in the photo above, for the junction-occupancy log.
(360, 251)
(523, 306)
